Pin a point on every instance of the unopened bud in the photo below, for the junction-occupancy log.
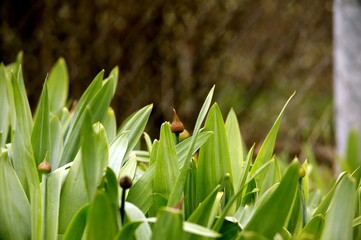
(44, 166)
(176, 126)
(125, 182)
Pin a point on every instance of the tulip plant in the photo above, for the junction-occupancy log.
(68, 172)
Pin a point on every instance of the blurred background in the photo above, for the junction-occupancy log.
(170, 53)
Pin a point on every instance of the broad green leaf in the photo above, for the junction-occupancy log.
(110, 124)
(166, 165)
(40, 137)
(4, 106)
(56, 142)
(272, 176)
(182, 177)
(169, 224)
(313, 228)
(266, 151)
(324, 205)
(94, 154)
(58, 85)
(269, 217)
(183, 146)
(117, 151)
(115, 75)
(245, 172)
(214, 160)
(103, 217)
(141, 192)
(218, 224)
(206, 211)
(342, 207)
(200, 230)
(235, 146)
(128, 230)
(73, 194)
(101, 222)
(352, 160)
(134, 214)
(97, 98)
(135, 125)
(54, 184)
(190, 190)
(77, 225)
(14, 205)
(22, 108)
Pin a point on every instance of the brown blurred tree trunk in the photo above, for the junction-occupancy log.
(347, 70)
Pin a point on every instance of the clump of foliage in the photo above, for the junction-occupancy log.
(72, 174)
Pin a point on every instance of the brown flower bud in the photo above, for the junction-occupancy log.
(125, 182)
(44, 166)
(176, 126)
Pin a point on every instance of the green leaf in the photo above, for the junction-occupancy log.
(73, 194)
(214, 160)
(54, 185)
(128, 230)
(200, 230)
(169, 224)
(266, 151)
(323, 206)
(183, 146)
(110, 124)
(77, 225)
(102, 222)
(313, 228)
(135, 124)
(352, 160)
(40, 137)
(134, 214)
(344, 194)
(182, 177)
(141, 193)
(14, 205)
(235, 146)
(94, 154)
(166, 165)
(206, 211)
(97, 98)
(269, 217)
(117, 151)
(58, 85)
(4, 106)
(103, 217)
(115, 75)
(56, 142)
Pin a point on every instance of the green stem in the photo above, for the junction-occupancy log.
(44, 193)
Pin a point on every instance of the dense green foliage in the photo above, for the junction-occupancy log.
(205, 186)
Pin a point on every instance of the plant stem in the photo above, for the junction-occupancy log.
(44, 193)
(122, 206)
